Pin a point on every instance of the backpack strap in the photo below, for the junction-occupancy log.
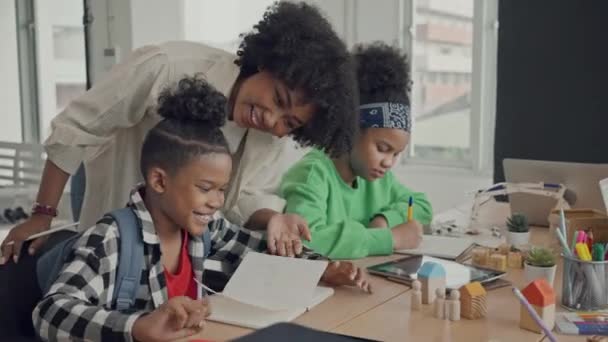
(206, 242)
(130, 258)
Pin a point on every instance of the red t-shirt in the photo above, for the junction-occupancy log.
(182, 282)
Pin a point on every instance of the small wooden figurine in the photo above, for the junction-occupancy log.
(541, 297)
(453, 306)
(440, 303)
(473, 301)
(416, 300)
(431, 276)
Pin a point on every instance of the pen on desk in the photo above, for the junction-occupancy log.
(534, 315)
(410, 209)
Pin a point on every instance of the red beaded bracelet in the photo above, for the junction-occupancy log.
(44, 210)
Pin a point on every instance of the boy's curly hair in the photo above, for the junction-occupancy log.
(382, 73)
(297, 45)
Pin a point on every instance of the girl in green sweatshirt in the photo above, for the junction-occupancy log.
(353, 204)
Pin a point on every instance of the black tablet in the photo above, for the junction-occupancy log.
(457, 274)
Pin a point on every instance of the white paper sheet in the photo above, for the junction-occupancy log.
(273, 282)
(440, 246)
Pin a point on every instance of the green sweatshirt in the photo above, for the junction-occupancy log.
(338, 215)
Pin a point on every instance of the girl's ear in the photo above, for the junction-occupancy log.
(157, 179)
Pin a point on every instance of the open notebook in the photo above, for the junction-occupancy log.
(444, 247)
(230, 311)
(268, 289)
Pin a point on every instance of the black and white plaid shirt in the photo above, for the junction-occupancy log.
(79, 304)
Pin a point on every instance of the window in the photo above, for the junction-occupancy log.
(61, 61)
(10, 130)
(453, 117)
(42, 63)
(443, 116)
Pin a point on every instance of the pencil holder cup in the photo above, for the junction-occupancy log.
(584, 284)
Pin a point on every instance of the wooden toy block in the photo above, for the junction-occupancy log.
(547, 314)
(429, 288)
(431, 276)
(473, 301)
(481, 256)
(498, 262)
(541, 297)
(515, 260)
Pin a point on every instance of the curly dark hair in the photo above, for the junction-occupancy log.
(298, 46)
(193, 112)
(383, 73)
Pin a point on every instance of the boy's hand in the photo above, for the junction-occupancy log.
(407, 235)
(285, 232)
(378, 222)
(180, 317)
(340, 273)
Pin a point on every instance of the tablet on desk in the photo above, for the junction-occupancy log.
(457, 274)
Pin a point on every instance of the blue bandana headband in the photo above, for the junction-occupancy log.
(385, 115)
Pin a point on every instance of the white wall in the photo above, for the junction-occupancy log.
(358, 21)
(10, 130)
(445, 187)
(335, 12)
(156, 21)
(219, 23)
(377, 20)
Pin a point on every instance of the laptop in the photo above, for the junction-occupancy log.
(580, 179)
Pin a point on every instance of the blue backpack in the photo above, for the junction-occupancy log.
(130, 263)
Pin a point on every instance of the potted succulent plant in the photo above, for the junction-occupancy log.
(518, 233)
(540, 263)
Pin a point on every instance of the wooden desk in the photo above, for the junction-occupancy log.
(385, 315)
(394, 321)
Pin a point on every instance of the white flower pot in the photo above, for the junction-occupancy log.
(534, 272)
(518, 240)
